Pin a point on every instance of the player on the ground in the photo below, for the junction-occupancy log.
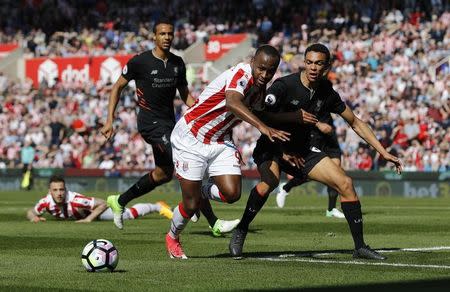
(158, 74)
(62, 203)
(330, 146)
(307, 90)
(202, 142)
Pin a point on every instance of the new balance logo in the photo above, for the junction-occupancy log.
(154, 72)
(315, 149)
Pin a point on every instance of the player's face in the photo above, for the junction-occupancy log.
(315, 65)
(164, 36)
(263, 68)
(58, 192)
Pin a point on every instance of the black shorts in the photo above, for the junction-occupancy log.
(267, 151)
(156, 132)
(331, 147)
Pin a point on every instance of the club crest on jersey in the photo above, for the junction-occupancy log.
(242, 82)
(295, 102)
(185, 166)
(175, 70)
(164, 139)
(154, 72)
(319, 104)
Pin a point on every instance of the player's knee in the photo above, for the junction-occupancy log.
(346, 186)
(191, 206)
(165, 179)
(165, 175)
(264, 190)
(234, 198)
(272, 184)
(231, 194)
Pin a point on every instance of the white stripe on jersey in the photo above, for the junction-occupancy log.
(208, 119)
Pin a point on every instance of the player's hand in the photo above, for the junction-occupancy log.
(307, 118)
(395, 160)
(38, 219)
(324, 128)
(107, 130)
(273, 134)
(294, 160)
(85, 220)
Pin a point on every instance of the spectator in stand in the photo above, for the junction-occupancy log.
(390, 57)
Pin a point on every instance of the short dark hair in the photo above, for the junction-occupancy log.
(56, 178)
(320, 48)
(268, 50)
(161, 20)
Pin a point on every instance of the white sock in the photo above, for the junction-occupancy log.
(178, 223)
(141, 209)
(211, 191)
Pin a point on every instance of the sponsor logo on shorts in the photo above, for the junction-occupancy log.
(315, 149)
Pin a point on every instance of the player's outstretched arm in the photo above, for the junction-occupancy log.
(298, 117)
(99, 207)
(236, 106)
(107, 130)
(33, 217)
(364, 131)
(186, 96)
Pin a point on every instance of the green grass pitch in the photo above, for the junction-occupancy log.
(292, 248)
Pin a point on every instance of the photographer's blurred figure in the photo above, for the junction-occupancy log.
(27, 154)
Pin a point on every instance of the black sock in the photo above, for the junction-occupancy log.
(293, 183)
(332, 197)
(144, 185)
(254, 204)
(353, 214)
(205, 208)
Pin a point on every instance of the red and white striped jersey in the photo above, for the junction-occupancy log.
(208, 119)
(76, 206)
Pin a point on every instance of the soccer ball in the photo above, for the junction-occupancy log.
(100, 255)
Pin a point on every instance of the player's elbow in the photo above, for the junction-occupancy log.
(231, 102)
(229, 105)
(103, 205)
(100, 204)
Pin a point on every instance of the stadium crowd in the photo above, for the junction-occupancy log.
(384, 52)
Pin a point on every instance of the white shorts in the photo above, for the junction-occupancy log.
(193, 158)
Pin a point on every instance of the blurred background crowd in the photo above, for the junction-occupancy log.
(384, 57)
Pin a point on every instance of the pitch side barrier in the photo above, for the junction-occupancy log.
(409, 184)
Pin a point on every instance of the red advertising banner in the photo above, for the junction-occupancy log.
(218, 45)
(5, 49)
(75, 70)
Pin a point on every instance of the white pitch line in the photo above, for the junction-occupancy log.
(354, 263)
(380, 251)
(421, 249)
(294, 257)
